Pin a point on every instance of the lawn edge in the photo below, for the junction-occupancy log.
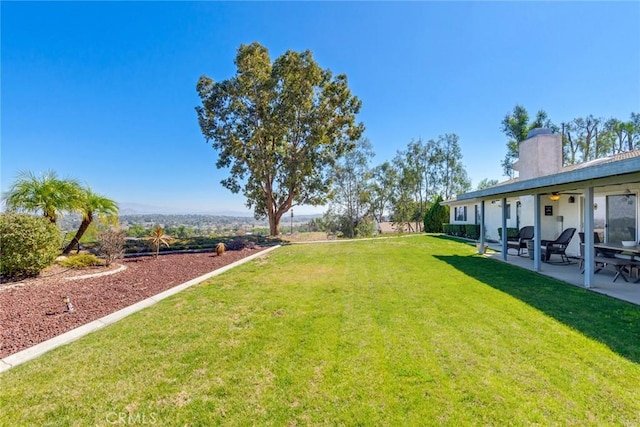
(37, 350)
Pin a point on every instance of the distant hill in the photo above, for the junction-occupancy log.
(198, 220)
(192, 220)
(129, 217)
(141, 209)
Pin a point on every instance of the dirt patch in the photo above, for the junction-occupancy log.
(32, 310)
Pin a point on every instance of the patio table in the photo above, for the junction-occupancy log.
(619, 248)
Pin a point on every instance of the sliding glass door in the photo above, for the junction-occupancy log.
(621, 218)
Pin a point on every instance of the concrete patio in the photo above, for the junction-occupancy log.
(603, 281)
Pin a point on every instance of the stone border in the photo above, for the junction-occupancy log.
(104, 273)
(74, 334)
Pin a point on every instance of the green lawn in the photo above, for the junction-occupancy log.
(402, 331)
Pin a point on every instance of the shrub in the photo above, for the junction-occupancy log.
(159, 238)
(111, 245)
(512, 232)
(472, 231)
(220, 248)
(365, 228)
(436, 216)
(28, 244)
(240, 244)
(81, 261)
(469, 231)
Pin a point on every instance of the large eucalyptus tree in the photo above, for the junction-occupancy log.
(278, 126)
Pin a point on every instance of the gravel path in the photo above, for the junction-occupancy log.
(32, 311)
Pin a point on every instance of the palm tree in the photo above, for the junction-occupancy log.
(47, 194)
(91, 205)
(159, 238)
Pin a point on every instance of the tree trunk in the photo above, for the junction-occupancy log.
(76, 239)
(274, 224)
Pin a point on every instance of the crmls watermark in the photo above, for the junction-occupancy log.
(126, 418)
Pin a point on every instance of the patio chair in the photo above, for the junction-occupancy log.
(558, 246)
(598, 252)
(520, 241)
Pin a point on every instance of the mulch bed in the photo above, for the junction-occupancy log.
(32, 310)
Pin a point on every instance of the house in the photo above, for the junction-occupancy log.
(387, 227)
(600, 195)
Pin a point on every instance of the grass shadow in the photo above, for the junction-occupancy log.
(613, 322)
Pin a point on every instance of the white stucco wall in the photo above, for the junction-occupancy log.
(493, 220)
(552, 226)
(539, 156)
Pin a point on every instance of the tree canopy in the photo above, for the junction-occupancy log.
(486, 183)
(278, 126)
(583, 138)
(47, 194)
(351, 192)
(588, 138)
(516, 127)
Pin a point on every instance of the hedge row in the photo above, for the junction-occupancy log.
(512, 232)
(468, 231)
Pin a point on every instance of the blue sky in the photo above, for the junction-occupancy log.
(105, 92)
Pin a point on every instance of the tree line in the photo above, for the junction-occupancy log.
(583, 138)
(400, 190)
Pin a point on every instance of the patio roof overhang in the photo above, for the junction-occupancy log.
(584, 178)
(613, 173)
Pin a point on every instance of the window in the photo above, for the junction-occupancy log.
(460, 213)
(508, 215)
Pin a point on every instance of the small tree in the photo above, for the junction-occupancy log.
(47, 194)
(111, 245)
(28, 244)
(91, 205)
(159, 238)
(436, 216)
(366, 227)
(351, 187)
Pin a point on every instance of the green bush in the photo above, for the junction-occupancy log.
(472, 231)
(81, 261)
(28, 244)
(436, 217)
(365, 228)
(512, 232)
(468, 231)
